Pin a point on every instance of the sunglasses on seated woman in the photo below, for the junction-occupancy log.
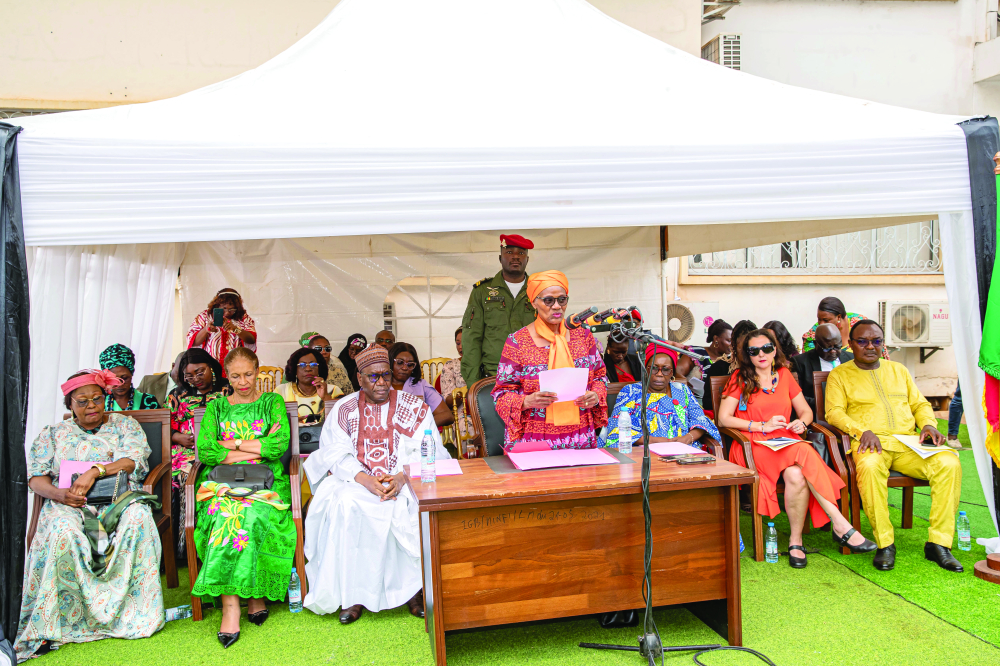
(327, 348)
(767, 349)
(549, 301)
(375, 376)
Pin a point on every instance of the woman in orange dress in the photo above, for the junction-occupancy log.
(758, 400)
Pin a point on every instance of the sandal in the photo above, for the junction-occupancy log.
(797, 562)
(865, 547)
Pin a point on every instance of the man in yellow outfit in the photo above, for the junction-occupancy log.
(872, 399)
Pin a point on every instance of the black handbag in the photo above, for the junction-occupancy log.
(251, 477)
(106, 489)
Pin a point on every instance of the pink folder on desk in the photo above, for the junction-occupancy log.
(443, 467)
(529, 446)
(67, 468)
(673, 448)
(561, 458)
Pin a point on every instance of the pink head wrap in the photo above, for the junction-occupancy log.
(103, 378)
(657, 348)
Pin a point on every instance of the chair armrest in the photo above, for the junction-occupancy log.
(833, 443)
(295, 478)
(840, 453)
(712, 445)
(155, 476)
(739, 436)
(189, 491)
(36, 511)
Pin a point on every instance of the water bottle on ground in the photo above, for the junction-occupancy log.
(177, 613)
(428, 455)
(964, 536)
(771, 544)
(624, 432)
(294, 593)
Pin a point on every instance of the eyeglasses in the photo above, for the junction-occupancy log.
(868, 342)
(309, 365)
(375, 376)
(767, 349)
(409, 365)
(327, 349)
(661, 370)
(550, 300)
(827, 350)
(190, 376)
(99, 400)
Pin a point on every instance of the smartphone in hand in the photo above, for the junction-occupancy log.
(218, 317)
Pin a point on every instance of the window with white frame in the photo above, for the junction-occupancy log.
(907, 249)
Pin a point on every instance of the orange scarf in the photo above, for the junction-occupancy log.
(559, 413)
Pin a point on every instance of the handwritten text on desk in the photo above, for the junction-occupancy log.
(511, 517)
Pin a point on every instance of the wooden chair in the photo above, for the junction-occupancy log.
(717, 386)
(840, 451)
(156, 424)
(268, 378)
(293, 465)
(458, 409)
(431, 368)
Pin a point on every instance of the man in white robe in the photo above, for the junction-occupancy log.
(362, 539)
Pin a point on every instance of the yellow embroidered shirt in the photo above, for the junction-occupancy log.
(884, 400)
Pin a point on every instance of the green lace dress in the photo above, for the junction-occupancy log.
(246, 548)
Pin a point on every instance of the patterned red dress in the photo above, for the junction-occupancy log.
(517, 376)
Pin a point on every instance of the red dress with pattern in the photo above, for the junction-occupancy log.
(221, 342)
(517, 376)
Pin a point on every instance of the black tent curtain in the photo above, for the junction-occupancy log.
(14, 348)
(982, 139)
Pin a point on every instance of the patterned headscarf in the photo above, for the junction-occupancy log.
(117, 355)
(374, 354)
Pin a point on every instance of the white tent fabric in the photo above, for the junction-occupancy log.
(441, 115)
(84, 299)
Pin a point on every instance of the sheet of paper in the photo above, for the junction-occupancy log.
(924, 451)
(567, 383)
(443, 467)
(67, 468)
(529, 446)
(673, 448)
(777, 443)
(561, 458)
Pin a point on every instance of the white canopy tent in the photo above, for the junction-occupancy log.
(419, 116)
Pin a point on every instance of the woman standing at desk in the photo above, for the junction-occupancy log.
(546, 344)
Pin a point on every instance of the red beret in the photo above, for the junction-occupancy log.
(513, 240)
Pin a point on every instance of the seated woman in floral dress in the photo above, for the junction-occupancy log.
(672, 412)
(72, 594)
(533, 415)
(246, 544)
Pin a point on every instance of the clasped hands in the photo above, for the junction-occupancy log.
(778, 422)
(869, 441)
(383, 486)
(543, 399)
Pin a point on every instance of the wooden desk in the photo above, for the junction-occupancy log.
(505, 548)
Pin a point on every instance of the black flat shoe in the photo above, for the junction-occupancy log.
(866, 547)
(797, 562)
(351, 613)
(258, 618)
(885, 558)
(228, 640)
(942, 557)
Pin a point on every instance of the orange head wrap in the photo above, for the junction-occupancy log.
(543, 280)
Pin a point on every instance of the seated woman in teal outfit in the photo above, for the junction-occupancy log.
(246, 544)
(672, 412)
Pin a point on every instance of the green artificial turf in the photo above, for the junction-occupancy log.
(838, 611)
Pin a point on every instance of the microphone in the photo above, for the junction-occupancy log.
(643, 335)
(591, 317)
(579, 319)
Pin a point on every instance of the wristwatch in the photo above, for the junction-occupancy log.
(239, 442)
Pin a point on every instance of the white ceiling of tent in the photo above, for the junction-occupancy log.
(439, 115)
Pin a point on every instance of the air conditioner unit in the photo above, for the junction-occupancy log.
(687, 323)
(915, 323)
(389, 317)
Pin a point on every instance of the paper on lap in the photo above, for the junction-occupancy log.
(567, 383)
(912, 442)
(561, 458)
(673, 448)
(67, 468)
(778, 443)
(443, 467)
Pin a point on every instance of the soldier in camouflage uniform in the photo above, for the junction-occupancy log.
(495, 311)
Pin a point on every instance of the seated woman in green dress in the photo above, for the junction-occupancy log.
(246, 544)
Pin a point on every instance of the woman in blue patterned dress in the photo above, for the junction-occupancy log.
(673, 413)
(64, 600)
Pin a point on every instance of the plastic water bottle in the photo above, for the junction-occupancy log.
(428, 455)
(771, 544)
(964, 537)
(624, 432)
(294, 593)
(177, 613)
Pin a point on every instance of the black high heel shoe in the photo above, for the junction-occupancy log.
(864, 547)
(228, 640)
(259, 618)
